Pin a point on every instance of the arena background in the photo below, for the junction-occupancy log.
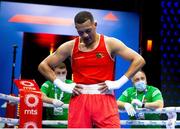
(156, 21)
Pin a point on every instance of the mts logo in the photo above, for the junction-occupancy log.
(30, 112)
(29, 88)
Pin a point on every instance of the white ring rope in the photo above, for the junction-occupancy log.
(64, 122)
(156, 111)
(9, 97)
(17, 99)
(123, 122)
(144, 110)
(145, 122)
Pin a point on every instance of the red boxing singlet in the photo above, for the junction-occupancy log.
(92, 67)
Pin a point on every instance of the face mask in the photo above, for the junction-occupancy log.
(140, 85)
(62, 78)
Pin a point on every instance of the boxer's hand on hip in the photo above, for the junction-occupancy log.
(113, 85)
(77, 90)
(64, 86)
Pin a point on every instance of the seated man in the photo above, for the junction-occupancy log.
(52, 94)
(141, 95)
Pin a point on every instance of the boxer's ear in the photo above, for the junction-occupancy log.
(95, 23)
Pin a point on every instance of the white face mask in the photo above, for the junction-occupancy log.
(140, 85)
(61, 77)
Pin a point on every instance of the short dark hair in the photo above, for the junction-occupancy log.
(83, 16)
(60, 66)
(141, 71)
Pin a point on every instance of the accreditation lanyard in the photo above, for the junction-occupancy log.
(56, 94)
(145, 92)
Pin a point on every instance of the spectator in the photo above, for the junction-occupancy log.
(141, 95)
(52, 94)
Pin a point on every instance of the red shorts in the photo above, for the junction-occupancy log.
(97, 110)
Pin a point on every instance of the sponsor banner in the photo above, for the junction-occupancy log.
(30, 104)
(29, 85)
(31, 109)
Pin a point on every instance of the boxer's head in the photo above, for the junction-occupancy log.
(86, 27)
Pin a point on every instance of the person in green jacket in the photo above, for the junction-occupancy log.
(141, 95)
(52, 94)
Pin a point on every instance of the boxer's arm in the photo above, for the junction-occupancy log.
(46, 66)
(117, 47)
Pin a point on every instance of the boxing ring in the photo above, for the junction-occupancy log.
(171, 119)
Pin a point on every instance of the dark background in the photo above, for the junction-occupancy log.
(33, 48)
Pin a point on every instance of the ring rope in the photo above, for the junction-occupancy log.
(156, 111)
(123, 122)
(64, 122)
(144, 110)
(17, 99)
